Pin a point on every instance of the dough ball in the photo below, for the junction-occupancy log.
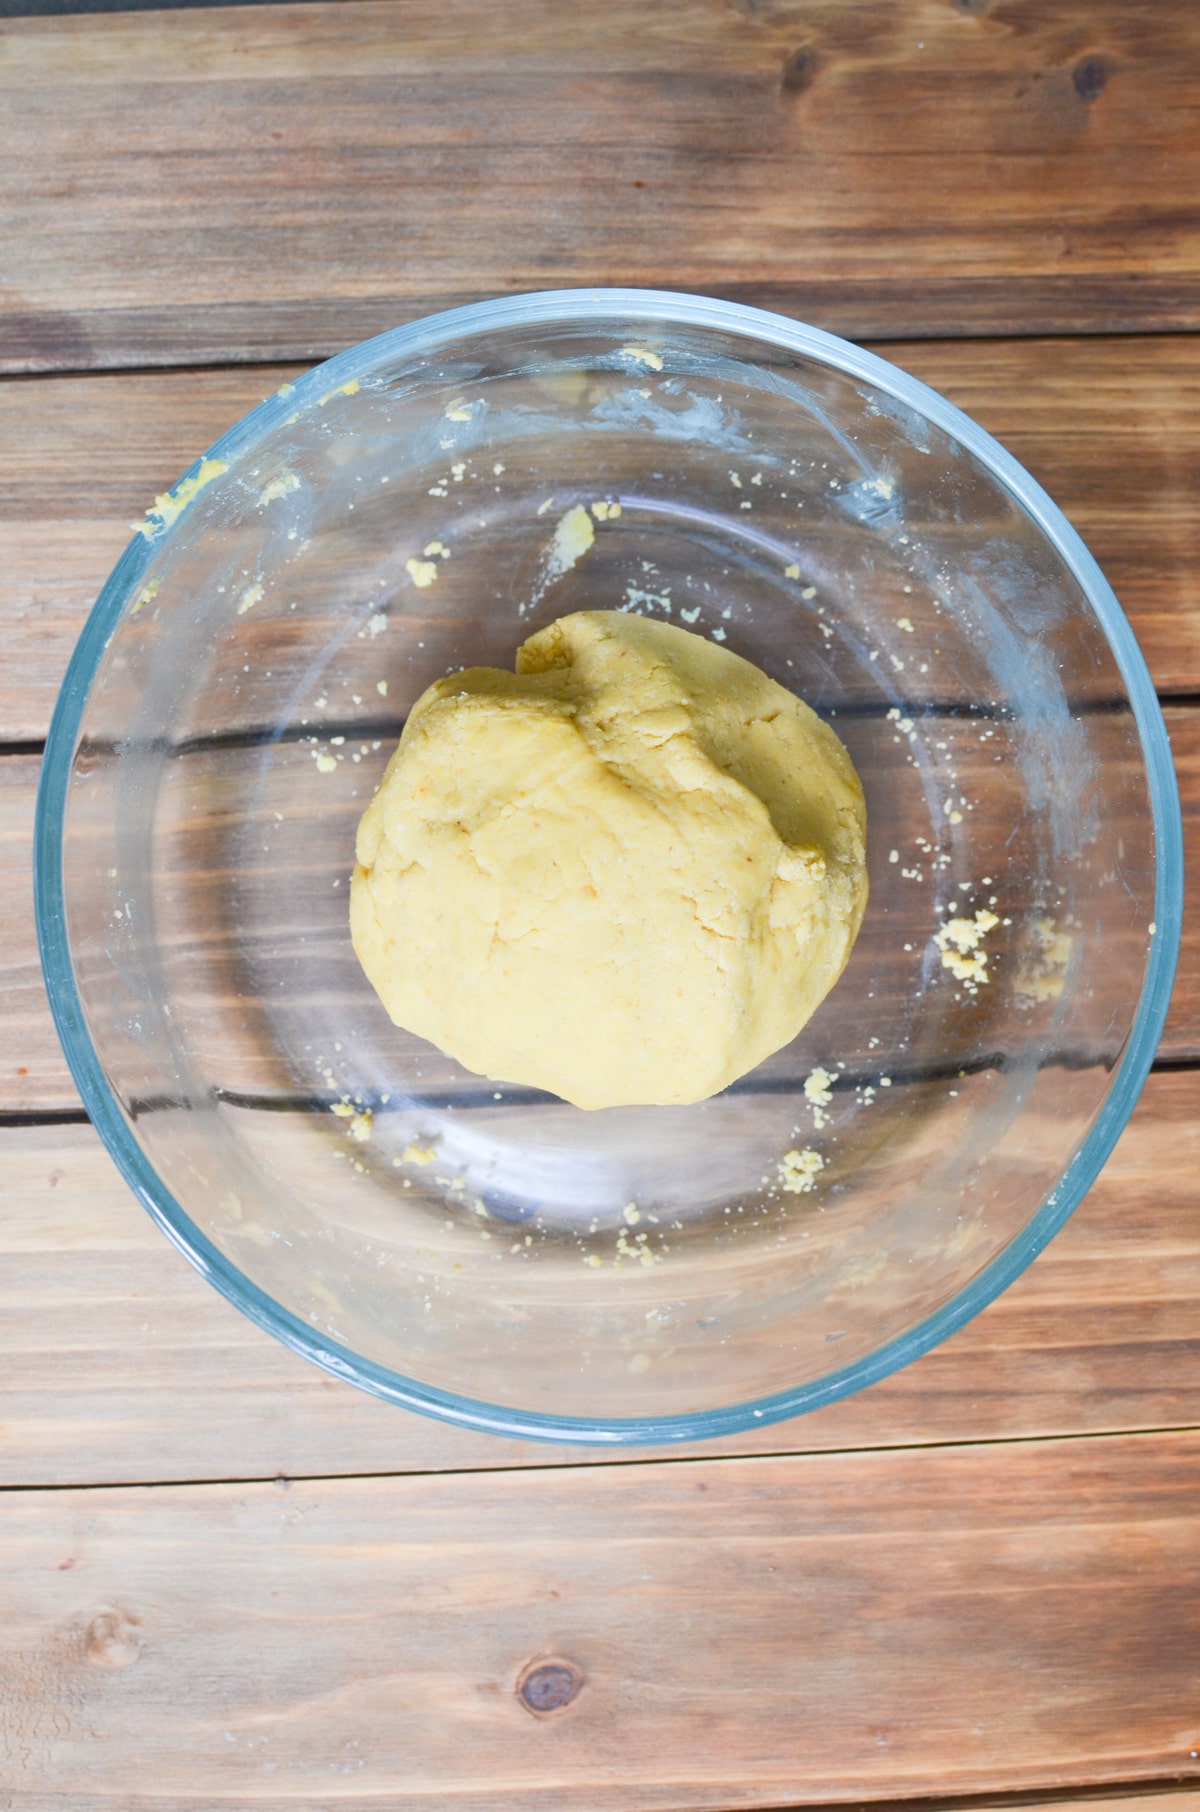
(625, 873)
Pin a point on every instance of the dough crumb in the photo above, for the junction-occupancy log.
(1045, 964)
(799, 1170)
(421, 1154)
(283, 486)
(818, 1092)
(644, 355)
(421, 572)
(573, 536)
(960, 941)
(169, 506)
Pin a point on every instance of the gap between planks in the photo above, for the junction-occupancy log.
(625, 1457)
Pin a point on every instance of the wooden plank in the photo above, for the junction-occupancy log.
(82, 459)
(1181, 1037)
(1112, 430)
(956, 169)
(1159, 1797)
(119, 1364)
(260, 989)
(33, 1072)
(763, 1632)
(1177, 1799)
(1111, 427)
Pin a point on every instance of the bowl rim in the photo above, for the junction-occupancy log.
(648, 308)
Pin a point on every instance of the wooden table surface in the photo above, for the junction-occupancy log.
(228, 1582)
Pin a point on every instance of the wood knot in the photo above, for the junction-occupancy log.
(548, 1686)
(111, 1639)
(799, 70)
(1090, 77)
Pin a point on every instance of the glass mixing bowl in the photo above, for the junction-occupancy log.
(484, 1252)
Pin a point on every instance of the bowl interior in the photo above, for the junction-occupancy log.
(463, 1243)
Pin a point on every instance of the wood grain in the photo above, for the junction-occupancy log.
(755, 1632)
(118, 1364)
(1110, 427)
(387, 157)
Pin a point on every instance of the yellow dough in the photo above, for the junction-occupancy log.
(625, 873)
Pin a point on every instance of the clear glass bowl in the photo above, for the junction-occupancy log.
(470, 1249)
